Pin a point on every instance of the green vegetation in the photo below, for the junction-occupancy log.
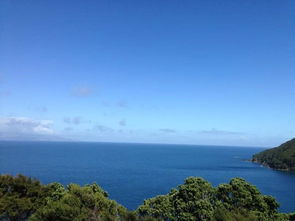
(196, 199)
(23, 198)
(280, 158)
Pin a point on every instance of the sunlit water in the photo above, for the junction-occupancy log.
(131, 173)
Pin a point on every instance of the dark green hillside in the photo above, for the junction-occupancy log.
(280, 158)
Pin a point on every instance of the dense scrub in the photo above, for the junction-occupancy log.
(196, 199)
(24, 198)
(280, 158)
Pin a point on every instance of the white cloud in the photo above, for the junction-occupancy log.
(24, 128)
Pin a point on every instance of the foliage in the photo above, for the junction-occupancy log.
(20, 196)
(24, 198)
(197, 200)
(281, 158)
(78, 203)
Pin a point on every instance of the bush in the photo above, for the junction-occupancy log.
(24, 198)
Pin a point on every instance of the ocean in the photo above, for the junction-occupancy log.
(131, 173)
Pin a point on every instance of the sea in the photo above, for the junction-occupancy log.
(131, 173)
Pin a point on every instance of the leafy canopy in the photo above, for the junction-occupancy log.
(23, 198)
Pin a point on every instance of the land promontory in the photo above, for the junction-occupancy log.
(279, 158)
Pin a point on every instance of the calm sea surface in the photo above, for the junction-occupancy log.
(131, 173)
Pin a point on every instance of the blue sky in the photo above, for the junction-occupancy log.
(195, 72)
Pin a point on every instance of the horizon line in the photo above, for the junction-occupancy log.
(117, 142)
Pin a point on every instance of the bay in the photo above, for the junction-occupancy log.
(131, 173)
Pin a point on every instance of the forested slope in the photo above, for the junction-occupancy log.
(280, 158)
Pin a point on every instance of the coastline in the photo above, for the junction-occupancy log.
(264, 164)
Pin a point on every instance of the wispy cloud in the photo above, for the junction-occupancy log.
(122, 123)
(122, 104)
(68, 128)
(105, 104)
(216, 132)
(5, 93)
(102, 128)
(73, 120)
(42, 109)
(82, 92)
(167, 130)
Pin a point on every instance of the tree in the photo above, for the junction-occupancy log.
(191, 201)
(79, 203)
(197, 200)
(23, 198)
(20, 196)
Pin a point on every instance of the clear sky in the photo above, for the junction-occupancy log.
(196, 72)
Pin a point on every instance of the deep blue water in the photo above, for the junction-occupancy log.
(131, 173)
